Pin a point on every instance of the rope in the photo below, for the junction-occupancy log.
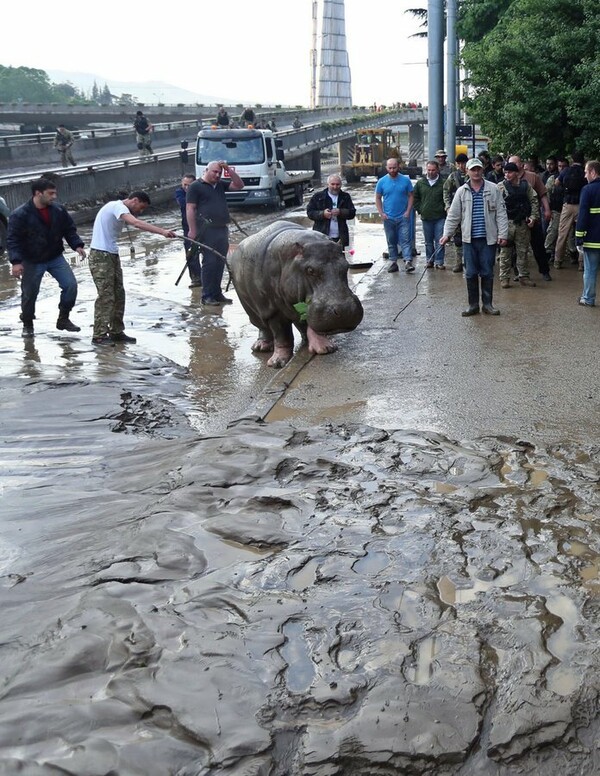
(410, 301)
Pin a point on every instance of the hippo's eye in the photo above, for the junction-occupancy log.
(310, 271)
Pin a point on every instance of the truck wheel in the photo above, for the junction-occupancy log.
(280, 200)
(298, 194)
(351, 177)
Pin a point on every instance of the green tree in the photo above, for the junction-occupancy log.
(534, 75)
(24, 83)
(106, 97)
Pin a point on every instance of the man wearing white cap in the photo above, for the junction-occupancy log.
(478, 208)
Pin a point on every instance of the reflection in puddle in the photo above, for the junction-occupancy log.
(300, 670)
(421, 670)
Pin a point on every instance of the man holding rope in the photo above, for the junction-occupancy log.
(207, 216)
(105, 264)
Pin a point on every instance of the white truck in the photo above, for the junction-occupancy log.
(257, 157)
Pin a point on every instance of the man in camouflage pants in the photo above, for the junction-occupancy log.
(105, 264)
(63, 143)
(522, 208)
(451, 185)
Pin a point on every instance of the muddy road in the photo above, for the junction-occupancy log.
(331, 592)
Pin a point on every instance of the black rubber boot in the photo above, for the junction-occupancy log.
(487, 287)
(473, 294)
(64, 323)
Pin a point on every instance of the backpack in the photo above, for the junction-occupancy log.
(141, 125)
(573, 182)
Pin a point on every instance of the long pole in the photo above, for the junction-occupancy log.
(451, 58)
(435, 51)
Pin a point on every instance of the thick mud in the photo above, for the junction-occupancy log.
(326, 599)
(338, 600)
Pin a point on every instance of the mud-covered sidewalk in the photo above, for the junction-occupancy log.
(396, 572)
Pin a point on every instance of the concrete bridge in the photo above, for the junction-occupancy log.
(99, 182)
(79, 116)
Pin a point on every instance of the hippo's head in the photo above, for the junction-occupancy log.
(318, 274)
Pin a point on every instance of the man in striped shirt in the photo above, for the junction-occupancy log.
(478, 209)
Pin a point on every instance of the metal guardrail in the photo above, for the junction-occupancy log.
(38, 138)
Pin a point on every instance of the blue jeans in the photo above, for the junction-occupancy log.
(397, 234)
(213, 265)
(591, 261)
(479, 258)
(32, 278)
(433, 231)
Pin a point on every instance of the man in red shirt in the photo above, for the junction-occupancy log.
(36, 231)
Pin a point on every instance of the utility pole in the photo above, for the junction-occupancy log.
(435, 52)
(451, 70)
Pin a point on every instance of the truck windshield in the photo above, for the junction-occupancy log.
(234, 151)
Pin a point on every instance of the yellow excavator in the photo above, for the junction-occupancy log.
(371, 151)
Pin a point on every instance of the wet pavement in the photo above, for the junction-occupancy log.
(397, 572)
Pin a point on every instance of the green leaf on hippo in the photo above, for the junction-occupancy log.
(302, 309)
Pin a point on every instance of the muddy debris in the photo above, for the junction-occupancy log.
(335, 600)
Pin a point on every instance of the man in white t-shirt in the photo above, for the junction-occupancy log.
(105, 264)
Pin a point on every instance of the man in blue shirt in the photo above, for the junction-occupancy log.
(394, 201)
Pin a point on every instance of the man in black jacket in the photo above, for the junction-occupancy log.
(36, 231)
(330, 210)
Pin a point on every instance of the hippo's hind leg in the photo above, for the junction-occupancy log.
(264, 343)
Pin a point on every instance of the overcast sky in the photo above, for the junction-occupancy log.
(247, 50)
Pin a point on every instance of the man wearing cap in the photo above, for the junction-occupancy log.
(441, 158)
(453, 183)
(478, 208)
(394, 202)
(523, 210)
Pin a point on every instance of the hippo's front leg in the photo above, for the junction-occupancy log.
(284, 342)
(319, 343)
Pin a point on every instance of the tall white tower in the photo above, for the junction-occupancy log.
(335, 86)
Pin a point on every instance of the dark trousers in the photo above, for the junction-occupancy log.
(213, 265)
(537, 246)
(32, 278)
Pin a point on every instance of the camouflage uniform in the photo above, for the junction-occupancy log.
(519, 234)
(451, 185)
(143, 136)
(109, 307)
(63, 142)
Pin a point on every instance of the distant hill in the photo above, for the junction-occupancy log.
(150, 92)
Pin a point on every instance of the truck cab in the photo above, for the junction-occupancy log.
(257, 157)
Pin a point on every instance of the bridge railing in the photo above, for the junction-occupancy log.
(38, 138)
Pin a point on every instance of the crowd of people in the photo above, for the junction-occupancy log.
(497, 209)
(493, 209)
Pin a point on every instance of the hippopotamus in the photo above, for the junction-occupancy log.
(288, 275)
